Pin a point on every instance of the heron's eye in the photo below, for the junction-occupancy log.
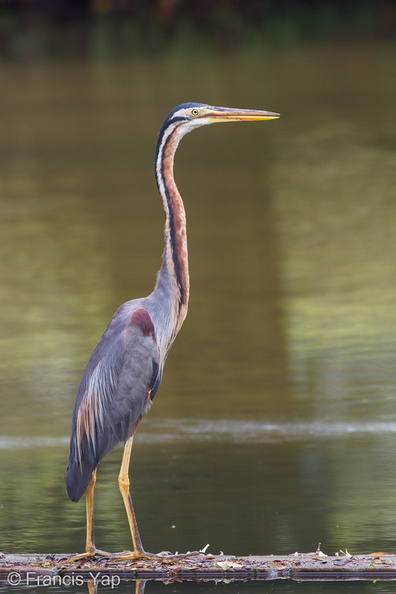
(194, 112)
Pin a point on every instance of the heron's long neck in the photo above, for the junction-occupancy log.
(173, 278)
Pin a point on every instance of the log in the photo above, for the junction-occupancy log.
(62, 570)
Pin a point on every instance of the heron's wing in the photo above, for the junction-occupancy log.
(115, 391)
(139, 376)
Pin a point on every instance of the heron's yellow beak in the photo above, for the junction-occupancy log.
(224, 114)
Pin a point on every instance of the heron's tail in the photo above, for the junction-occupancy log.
(78, 475)
(84, 459)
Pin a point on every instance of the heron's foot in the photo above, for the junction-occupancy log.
(91, 553)
(142, 555)
(131, 555)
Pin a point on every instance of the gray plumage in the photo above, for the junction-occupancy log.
(118, 385)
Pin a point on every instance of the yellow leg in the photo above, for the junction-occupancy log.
(89, 503)
(123, 483)
(138, 551)
(90, 549)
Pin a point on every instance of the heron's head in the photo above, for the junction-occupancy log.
(189, 116)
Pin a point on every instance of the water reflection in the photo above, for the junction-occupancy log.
(226, 587)
(274, 427)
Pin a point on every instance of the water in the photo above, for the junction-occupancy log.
(274, 428)
(283, 587)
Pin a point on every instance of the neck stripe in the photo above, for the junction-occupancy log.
(175, 251)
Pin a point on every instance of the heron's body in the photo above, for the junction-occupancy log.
(125, 369)
(108, 406)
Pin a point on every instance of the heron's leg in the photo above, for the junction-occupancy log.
(90, 549)
(123, 483)
(138, 551)
(89, 503)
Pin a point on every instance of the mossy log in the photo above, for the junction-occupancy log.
(57, 569)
